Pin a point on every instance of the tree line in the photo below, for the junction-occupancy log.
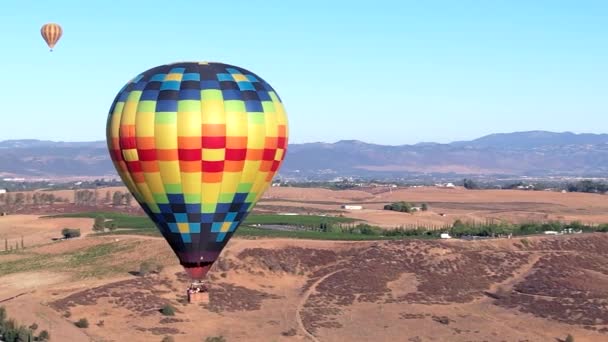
(459, 229)
(92, 198)
(37, 198)
(587, 185)
(9, 246)
(81, 198)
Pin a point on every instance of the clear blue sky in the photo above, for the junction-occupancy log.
(391, 72)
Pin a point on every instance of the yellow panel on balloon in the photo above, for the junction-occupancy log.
(155, 182)
(189, 124)
(115, 126)
(144, 124)
(169, 171)
(210, 192)
(213, 112)
(238, 124)
(256, 136)
(230, 182)
(166, 136)
(250, 171)
(191, 182)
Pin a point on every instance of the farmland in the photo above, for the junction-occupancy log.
(320, 285)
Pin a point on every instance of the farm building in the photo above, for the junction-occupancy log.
(352, 207)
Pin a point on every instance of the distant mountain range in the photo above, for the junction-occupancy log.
(533, 153)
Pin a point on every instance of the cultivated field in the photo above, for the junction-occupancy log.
(515, 206)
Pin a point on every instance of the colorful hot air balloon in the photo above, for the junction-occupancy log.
(51, 33)
(197, 144)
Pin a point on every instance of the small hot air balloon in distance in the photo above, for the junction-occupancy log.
(51, 33)
(197, 144)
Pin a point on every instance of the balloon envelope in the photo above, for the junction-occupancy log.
(51, 33)
(197, 144)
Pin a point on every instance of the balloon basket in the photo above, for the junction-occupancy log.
(198, 292)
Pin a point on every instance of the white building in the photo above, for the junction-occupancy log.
(2, 191)
(445, 236)
(352, 207)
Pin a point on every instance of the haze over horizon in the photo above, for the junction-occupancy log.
(390, 72)
(336, 140)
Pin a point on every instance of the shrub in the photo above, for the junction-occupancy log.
(403, 207)
(82, 323)
(167, 310)
(69, 233)
(215, 339)
(366, 229)
(569, 338)
(168, 339)
(34, 326)
(44, 336)
(148, 267)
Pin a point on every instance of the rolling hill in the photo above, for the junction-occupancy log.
(532, 153)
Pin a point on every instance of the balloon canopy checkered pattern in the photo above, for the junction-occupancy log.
(197, 144)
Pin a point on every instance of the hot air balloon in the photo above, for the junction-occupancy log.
(51, 33)
(197, 144)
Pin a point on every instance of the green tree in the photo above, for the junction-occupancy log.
(128, 199)
(24, 334)
(2, 315)
(117, 198)
(99, 223)
(19, 198)
(470, 184)
(8, 199)
(424, 207)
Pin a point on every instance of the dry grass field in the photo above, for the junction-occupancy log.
(270, 289)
